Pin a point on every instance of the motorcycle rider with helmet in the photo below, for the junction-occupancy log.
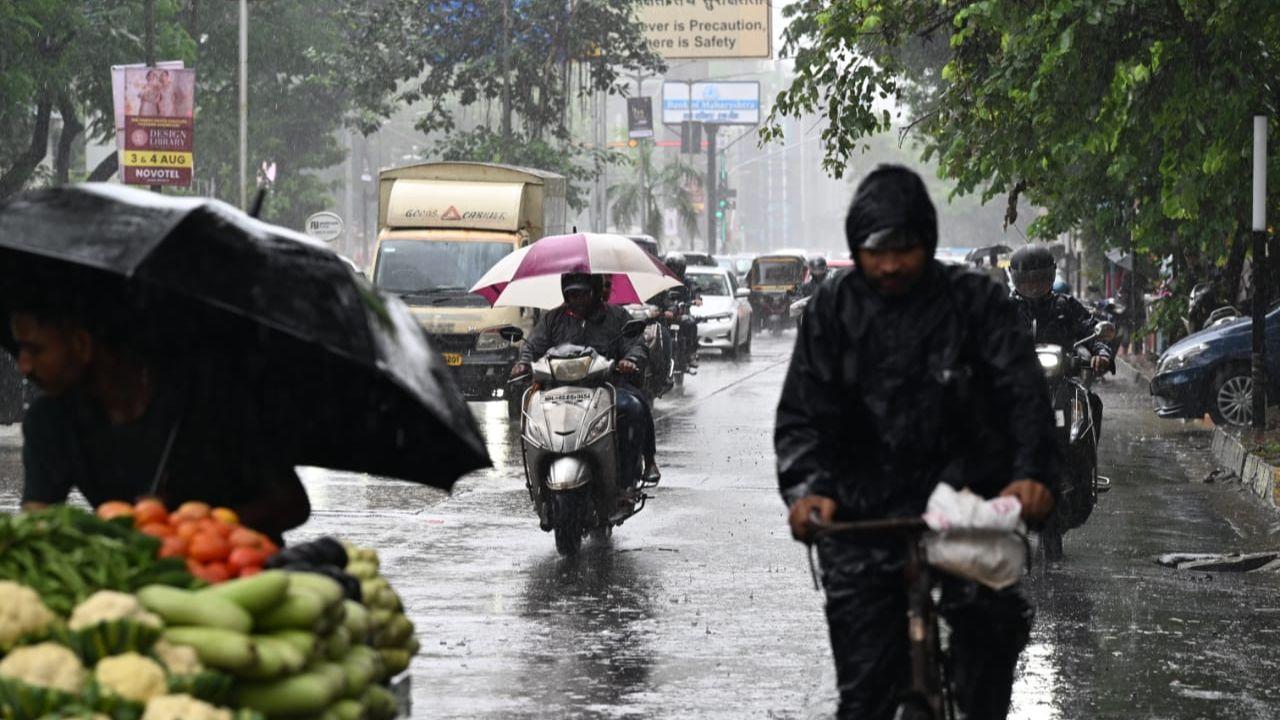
(587, 319)
(817, 276)
(1059, 318)
(670, 302)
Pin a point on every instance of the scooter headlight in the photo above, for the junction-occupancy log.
(597, 429)
(571, 370)
(1051, 362)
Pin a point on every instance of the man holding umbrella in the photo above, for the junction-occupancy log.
(118, 425)
(586, 319)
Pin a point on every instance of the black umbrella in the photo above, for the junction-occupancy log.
(344, 370)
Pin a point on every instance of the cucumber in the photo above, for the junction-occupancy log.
(328, 589)
(348, 710)
(336, 676)
(379, 703)
(255, 594)
(298, 695)
(276, 657)
(183, 607)
(300, 610)
(223, 649)
(357, 621)
(305, 642)
(362, 667)
(338, 644)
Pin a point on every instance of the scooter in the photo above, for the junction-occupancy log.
(1078, 434)
(659, 372)
(568, 432)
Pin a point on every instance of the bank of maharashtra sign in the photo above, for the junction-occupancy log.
(708, 29)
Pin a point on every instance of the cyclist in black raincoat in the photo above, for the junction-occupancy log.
(908, 373)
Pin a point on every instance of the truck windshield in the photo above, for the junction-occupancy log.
(435, 268)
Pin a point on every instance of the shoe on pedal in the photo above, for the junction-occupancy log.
(652, 473)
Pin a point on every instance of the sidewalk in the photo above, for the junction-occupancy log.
(11, 438)
(1253, 458)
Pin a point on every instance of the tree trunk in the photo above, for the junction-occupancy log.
(17, 175)
(71, 129)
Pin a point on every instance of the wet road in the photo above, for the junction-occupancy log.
(701, 606)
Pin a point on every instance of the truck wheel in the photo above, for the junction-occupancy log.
(1231, 396)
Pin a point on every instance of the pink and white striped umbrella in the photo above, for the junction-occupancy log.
(530, 276)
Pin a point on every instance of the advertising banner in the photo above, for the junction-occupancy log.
(155, 124)
(640, 117)
(708, 29)
(713, 103)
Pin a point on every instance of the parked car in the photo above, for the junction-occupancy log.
(725, 314)
(1210, 372)
(648, 243)
(738, 265)
(698, 259)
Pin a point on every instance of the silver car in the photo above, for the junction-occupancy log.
(724, 317)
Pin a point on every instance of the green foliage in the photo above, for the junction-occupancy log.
(524, 64)
(579, 163)
(1129, 121)
(653, 187)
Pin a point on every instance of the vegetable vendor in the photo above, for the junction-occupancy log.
(119, 421)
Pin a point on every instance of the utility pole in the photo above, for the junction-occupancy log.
(1260, 272)
(506, 70)
(150, 45)
(244, 104)
(712, 191)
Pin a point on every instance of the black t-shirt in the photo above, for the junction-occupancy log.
(201, 438)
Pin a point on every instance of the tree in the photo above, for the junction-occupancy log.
(1126, 120)
(56, 57)
(524, 62)
(653, 188)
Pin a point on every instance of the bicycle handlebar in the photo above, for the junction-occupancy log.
(868, 527)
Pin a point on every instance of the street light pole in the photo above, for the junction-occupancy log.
(1259, 272)
(244, 104)
(712, 191)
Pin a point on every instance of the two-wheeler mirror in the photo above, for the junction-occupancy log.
(742, 293)
(633, 328)
(1105, 331)
(511, 334)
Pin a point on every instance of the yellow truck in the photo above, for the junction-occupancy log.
(441, 226)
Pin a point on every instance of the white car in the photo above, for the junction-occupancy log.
(727, 313)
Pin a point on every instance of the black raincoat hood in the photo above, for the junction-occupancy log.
(892, 196)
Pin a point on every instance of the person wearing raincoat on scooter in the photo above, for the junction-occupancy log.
(586, 319)
(908, 373)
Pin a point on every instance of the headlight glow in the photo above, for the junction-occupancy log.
(1049, 361)
(1181, 359)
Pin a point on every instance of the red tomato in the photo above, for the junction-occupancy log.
(209, 547)
(225, 515)
(192, 511)
(160, 530)
(216, 527)
(173, 546)
(246, 537)
(149, 510)
(214, 572)
(114, 509)
(249, 571)
(244, 557)
(187, 529)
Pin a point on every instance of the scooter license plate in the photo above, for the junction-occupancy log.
(453, 359)
(1060, 417)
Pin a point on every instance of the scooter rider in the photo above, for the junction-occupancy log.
(908, 373)
(1058, 318)
(586, 319)
(676, 263)
(817, 276)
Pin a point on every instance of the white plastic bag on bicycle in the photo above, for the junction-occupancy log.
(976, 539)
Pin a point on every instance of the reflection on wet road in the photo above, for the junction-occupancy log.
(701, 606)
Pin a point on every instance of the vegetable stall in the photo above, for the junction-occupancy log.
(139, 613)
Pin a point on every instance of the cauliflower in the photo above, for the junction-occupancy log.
(131, 676)
(179, 659)
(182, 707)
(22, 613)
(108, 606)
(47, 665)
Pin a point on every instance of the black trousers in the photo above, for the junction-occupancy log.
(867, 618)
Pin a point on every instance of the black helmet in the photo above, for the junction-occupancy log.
(582, 281)
(818, 266)
(675, 262)
(1032, 267)
(892, 210)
